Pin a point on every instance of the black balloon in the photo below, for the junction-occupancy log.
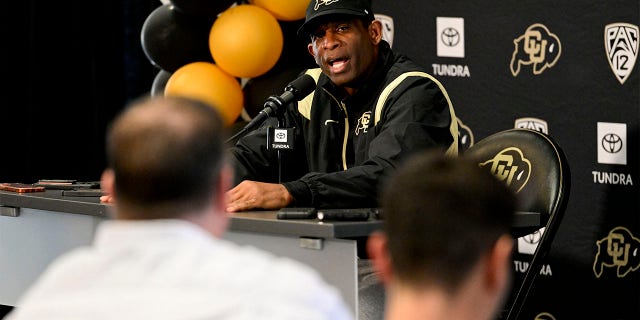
(171, 39)
(159, 82)
(210, 8)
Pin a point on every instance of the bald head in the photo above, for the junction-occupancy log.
(165, 152)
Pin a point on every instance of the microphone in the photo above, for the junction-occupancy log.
(296, 90)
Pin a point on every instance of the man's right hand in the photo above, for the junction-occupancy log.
(257, 195)
(107, 198)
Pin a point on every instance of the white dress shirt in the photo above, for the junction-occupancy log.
(172, 269)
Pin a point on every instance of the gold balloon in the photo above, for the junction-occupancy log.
(246, 41)
(207, 82)
(284, 10)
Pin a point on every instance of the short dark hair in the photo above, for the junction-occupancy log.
(166, 153)
(440, 214)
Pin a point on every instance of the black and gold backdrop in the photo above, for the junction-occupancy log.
(568, 68)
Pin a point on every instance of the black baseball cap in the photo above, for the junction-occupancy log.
(325, 8)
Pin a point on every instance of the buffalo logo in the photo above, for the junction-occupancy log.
(363, 123)
(510, 166)
(533, 124)
(621, 44)
(465, 136)
(536, 46)
(620, 250)
(325, 2)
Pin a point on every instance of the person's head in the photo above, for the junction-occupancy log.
(446, 226)
(166, 160)
(344, 39)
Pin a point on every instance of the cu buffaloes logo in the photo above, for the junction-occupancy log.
(619, 250)
(537, 47)
(510, 166)
(363, 123)
(323, 2)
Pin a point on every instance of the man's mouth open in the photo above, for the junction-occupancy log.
(337, 65)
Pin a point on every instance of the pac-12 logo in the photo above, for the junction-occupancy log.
(621, 44)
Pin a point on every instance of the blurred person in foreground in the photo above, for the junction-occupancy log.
(162, 256)
(445, 248)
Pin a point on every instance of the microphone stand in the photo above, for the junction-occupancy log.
(274, 105)
(280, 116)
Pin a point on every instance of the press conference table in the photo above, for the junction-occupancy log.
(37, 227)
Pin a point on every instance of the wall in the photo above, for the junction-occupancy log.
(67, 70)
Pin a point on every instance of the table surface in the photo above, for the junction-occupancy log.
(250, 221)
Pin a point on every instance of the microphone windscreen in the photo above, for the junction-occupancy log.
(301, 86)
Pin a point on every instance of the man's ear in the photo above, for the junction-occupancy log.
(224, 184)
(312, 52)
(217, 218)
(375, 31)
(107, 181)
(499, 264)
(377, 251)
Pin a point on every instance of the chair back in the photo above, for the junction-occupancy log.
(536, 168)
(533, 165)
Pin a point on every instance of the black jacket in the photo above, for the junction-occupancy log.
(345, 147)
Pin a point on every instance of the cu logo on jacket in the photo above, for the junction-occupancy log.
(363, 123)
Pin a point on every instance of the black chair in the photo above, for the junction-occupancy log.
(536, 168)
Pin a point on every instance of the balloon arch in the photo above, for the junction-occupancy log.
(231, 54)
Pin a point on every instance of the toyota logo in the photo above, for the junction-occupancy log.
(611, 143)
(450, 37)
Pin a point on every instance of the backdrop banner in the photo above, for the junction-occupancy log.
(569, 69)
